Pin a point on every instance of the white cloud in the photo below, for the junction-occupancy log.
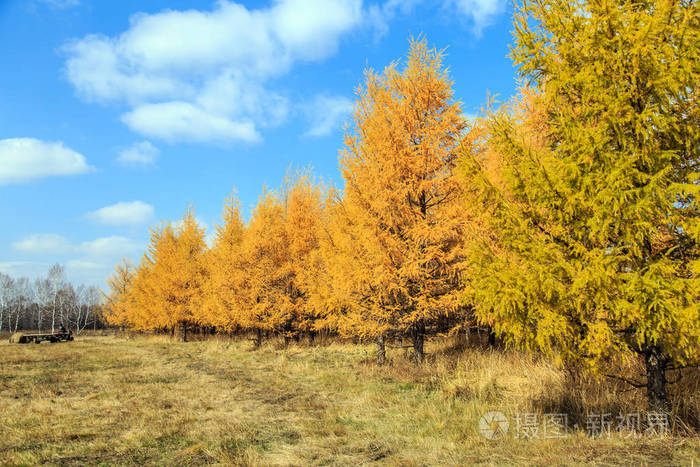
(310, 29)
(100, 73)
(53, 244)
(327, 113)
(23, 159)
(379, 16)
(87, 262)
(78, 271)
(24, 268)
(81, 265)
(143, 153)
(202, 75)
(230, 94)
(124, 213)
(109, 247)
(480, 12)
(182, 121)
(43, 244)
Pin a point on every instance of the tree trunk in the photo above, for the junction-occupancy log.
(184, 332)
(381, 350)
(418, 338)
(462, 338)
(258, 339)
(656, 380)
(492, 337)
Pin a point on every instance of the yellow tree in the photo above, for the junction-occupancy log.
(590, 186)
(273, 266)
(220, 303)
(168, 282)
(302, 203)
(184, 280)
(151, 290)
(117, 301)
(263, 301)
(401, 202)
(332, 280)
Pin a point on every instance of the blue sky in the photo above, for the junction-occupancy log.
(117, 115)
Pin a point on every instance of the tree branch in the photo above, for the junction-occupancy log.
(630, 382)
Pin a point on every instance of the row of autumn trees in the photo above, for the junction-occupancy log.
(566, 219)
(382, 259)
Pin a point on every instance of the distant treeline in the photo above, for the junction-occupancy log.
(49, 303)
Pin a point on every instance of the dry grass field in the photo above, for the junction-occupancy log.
(152, 401)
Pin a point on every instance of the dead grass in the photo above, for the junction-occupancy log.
(145, 401)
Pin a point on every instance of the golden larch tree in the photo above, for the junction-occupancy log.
(263, 301)
(401, 207)
(167, 285)
(149, 295)
(220, 304)
(116, 304)
(588, 189)
(302, 203)
(188, 274)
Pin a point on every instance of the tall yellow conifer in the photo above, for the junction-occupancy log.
(302, 203)
(221, 305)
(154, 290)
(187, 274)
(265, 306)
(117, 301)
(593, 226)
(401, 202)
(168, 282)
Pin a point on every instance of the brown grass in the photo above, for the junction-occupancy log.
(140, 401)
